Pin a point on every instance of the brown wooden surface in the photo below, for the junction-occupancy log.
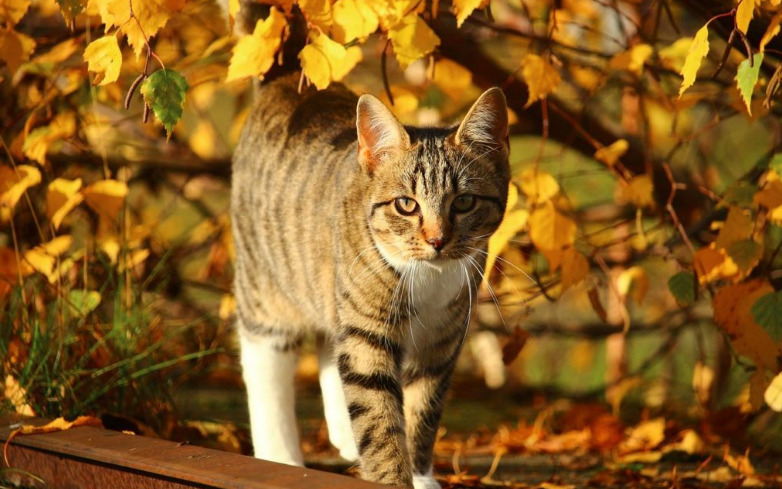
(87, 457)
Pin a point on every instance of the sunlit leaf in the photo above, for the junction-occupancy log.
(14, 183)
(744, 13)
(634, 282)
(632, 60)
(62, 196)
(164, 91)
(254, 55)
(773, 394)
(317, 12)
(714, 263)
(353, 19)
(465, 8)
(38, 142)
(542, 78)
(747, 77)
(152, 15)
(551, 232)
(12, 11)
(43, 258)
(451, 77)
(105, 59)
(698, 50)
(538, 186)
(771, 31)
(324, 60)
(611, 154)
(412, 39)
(106, 197)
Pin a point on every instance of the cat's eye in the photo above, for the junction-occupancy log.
(406, 206)
(464, 203)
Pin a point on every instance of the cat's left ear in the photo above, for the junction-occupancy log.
(380, 134)
(486, 123)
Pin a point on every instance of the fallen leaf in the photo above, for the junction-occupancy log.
(15, 182)
(106, 197)
(58, 424)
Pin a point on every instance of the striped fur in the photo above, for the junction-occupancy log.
(321, 247)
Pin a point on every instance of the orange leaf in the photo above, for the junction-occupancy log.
(58, 424)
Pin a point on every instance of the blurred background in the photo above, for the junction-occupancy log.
(620, 316)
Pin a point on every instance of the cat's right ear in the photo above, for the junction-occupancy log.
(380, 135)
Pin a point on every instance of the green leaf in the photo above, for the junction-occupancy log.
(747, 77)
(164, 92)
(746, 254)
(83, 302)
(768, 313)
(776, 163)
(682, 287)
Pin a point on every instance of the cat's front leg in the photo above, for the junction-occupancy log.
(369, 363)
(426, 377)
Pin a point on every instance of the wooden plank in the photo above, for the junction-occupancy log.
(62, 457)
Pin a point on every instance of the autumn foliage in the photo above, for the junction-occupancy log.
(647, 189)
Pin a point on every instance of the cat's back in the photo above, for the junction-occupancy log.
(292, 166)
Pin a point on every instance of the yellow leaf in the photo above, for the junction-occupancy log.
(15, 48)
(773, 394)
(739, 463)
(542, 78)
(575, 268)
(152, 15)
(611, 154)
(353, 19)
(551, 232)
(512, 224)
(405, 101)
(13, 183)
(203, 139)
(451, 77)
(253, 55)
(744, 13)
(648, 435)
(58, 424)
(42, 258)
(698, 50)
(131, 260)
(632, 60)
(17, 396)
(105, 59)
(61, 197)
(538, 186)
(771, 31)
(227, 307)
(412, 39)
(59, 53)
(639, 191)
(106, 197)
(12, 11)
(714, 264)
(465, 8)
(324, 60)
(37, 143)
(673, 56)
(317, 12)
(634, 282)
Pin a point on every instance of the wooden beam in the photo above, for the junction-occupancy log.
(93, 457)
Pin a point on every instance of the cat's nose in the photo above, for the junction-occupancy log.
(437, 243)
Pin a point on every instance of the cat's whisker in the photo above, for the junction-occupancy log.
(513, 284)
(490, 289)
(503, 260)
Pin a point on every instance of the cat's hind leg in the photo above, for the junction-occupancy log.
(334, 406)
(269, 358)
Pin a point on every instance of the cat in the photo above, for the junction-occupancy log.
(373, 235)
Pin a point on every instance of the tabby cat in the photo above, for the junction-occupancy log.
(373, 236)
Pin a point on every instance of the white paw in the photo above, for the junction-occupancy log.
(425, 482)
(349, 452)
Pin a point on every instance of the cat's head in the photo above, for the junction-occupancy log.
(434, 194)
